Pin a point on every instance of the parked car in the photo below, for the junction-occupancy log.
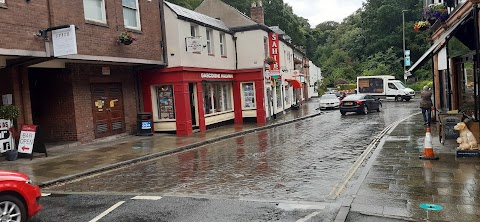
(329, 101)
(360, 103)
(18, 197)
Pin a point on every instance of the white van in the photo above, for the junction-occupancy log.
(384, 87)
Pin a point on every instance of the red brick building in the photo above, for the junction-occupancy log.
(92, 93)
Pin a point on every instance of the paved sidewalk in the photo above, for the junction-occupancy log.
(71, 162)
(397, 181)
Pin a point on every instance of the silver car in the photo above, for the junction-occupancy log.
(329, 101)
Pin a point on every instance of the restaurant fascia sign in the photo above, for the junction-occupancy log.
(216, 76)
(273, 47)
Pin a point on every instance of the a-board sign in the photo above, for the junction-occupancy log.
(448, 124)
(27, 139)
(6, 142)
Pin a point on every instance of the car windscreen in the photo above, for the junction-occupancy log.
(353, 97)
(400, 85)
(329, 96)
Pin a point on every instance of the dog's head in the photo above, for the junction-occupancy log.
(460, 126)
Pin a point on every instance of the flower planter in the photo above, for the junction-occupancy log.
(127, 42)
(11, 155)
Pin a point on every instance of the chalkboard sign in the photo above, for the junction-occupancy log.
(448, 122)
(448, 125)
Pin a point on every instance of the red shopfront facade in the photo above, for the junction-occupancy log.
(183, 98)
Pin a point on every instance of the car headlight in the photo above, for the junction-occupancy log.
(29, 181)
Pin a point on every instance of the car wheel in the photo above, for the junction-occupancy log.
(365, 110)
(12, 209)
(378, 109)
(343, 113)
(407, 99)
(398, 98)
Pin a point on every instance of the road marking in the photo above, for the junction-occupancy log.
(308, 217)
(146, 198)
(107, 211)
(46, 194)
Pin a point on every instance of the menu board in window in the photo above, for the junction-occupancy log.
(248, 95)
(165, 102)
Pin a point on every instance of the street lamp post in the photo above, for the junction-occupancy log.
(404, 63)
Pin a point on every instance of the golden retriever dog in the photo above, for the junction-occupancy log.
(466, 140)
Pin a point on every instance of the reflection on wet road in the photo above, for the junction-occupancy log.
(298, 161)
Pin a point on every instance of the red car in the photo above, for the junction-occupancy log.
(18, 197)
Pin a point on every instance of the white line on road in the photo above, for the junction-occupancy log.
(107, 211)
(46, 194)
(308, 217)
(146, 198)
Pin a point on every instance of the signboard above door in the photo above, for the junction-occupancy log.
(64, 41)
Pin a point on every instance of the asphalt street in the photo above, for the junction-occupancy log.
(287, 173)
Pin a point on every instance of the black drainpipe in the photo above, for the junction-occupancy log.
(477, 58)
(236, 53)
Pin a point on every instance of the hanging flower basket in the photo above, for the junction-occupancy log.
(421, 26)
(436, 12)
(126, 38)
(270, 60)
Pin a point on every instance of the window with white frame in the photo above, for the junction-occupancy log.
(210, 41)
(223, 49)
(131, 14)
(94, 10)
(217, 97)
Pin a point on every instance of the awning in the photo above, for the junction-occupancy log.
(295, 83)
(445, 37)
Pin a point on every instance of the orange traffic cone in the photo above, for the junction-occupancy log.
(428, 148)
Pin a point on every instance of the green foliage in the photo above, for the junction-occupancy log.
(418, 86)
(346, 86)
(9, 112)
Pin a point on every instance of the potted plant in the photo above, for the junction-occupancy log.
(10, 113)
(126, 38)
(270, 60)
(436, 12)
(421, 26)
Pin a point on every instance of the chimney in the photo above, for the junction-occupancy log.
(256, 12)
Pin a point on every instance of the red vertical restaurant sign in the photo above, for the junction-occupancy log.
(27, 138)
(273, 47)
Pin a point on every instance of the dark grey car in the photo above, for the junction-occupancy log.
(359, 103)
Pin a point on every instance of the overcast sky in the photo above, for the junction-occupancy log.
(318, 11)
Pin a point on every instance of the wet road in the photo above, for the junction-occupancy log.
(301, 161)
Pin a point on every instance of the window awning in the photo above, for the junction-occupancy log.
(445, 37)
(295, 83)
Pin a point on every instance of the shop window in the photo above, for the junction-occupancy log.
(248, 95)
(287, 95)
(466, 88)
(217, 97)
(278, 90)
(210, 41)
(166, 109)
(131, 14)
(94, 10)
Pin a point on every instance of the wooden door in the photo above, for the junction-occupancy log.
(108, 116)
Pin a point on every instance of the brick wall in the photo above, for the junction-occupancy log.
(101, 40)
(83, 75)
(52, 103)
(19, 21)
